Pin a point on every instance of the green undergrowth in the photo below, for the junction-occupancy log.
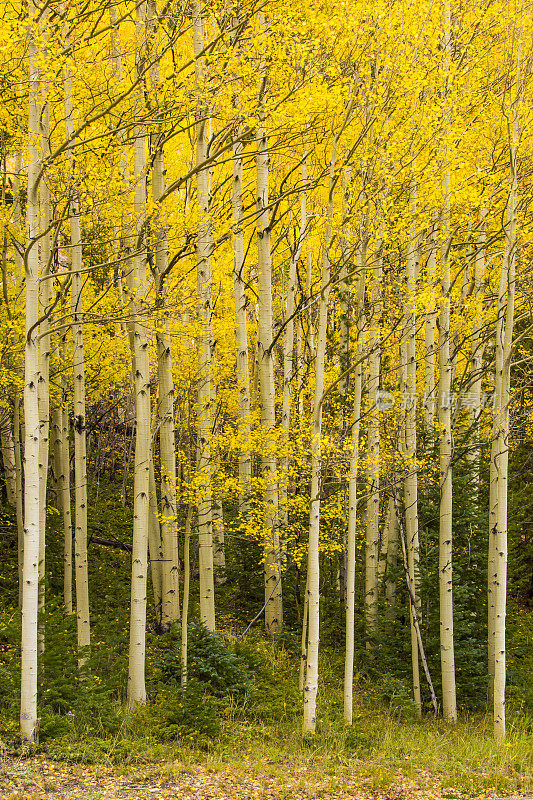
(257, 728)
(242, 707)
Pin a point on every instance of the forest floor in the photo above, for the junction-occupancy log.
(40, 778)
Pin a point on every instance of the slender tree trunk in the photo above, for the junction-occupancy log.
(17, 432)
(8, 457)
(478, 349)
(186, 593)
(303, 643)
(445, 473)
(391, 523)
(141, 349)
(352, 503)
(241, 330)
(411, 478)
(372, 510)
(493, 525)
(219, 550)
(80, 436)
(19, 493)
(310, 338)
(155, 549)
(313, 562)
(43, 389)
(288, 351)
(265, 333)
(447, 655)
(63, 473)
(28, 688)
(204, 249)
(504, 341)
(66, 508)
(170, 609)
(429, 335)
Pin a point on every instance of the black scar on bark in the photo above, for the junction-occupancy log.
(79, 424)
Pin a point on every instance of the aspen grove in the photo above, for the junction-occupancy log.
(267, 342)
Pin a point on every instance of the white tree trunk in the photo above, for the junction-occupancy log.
(170, 606)
(204, 249)
(155, 549)
(504, 341)
(429, 335)
(288, 351)
(186, 593)
(241, 328)
(265, 334)
(78, 357)
(17, 433)
(373, 462)
(28, 687)
(8, 457)
(445, 479)
(391, 523)
(478, 348)
(447, 655)
(219, 550)
(62, 461)
(352, 502)
(43, 390)
(141, 350)
(410, 454)
(19, 494)
(313, 560)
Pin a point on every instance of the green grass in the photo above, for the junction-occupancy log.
(382, 750)
(386, 750)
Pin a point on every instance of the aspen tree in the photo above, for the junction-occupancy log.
(8, 457)
(504, 341)
(491, 565)
(18, 492)
(170, 608)
(155, 549)
(391, 523)
(313, 561)
(447, 655)
(265, 334)
(429, 333)
(288, 346)
(344, 360)
(310, 337)
(219, 552)
(78, 357)
(186, 593)
(445, 472)
(28, 687)
(303, 642)
(43, 389)
(17, 445)
(352, 492)
(204, 249)
(141, 349)
(478, 346)
(63, 469)
(241, 314)
(372, 509)
(411, 478)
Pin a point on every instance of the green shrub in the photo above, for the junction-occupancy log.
(190, 715)
(211, 662)
(398, 697)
